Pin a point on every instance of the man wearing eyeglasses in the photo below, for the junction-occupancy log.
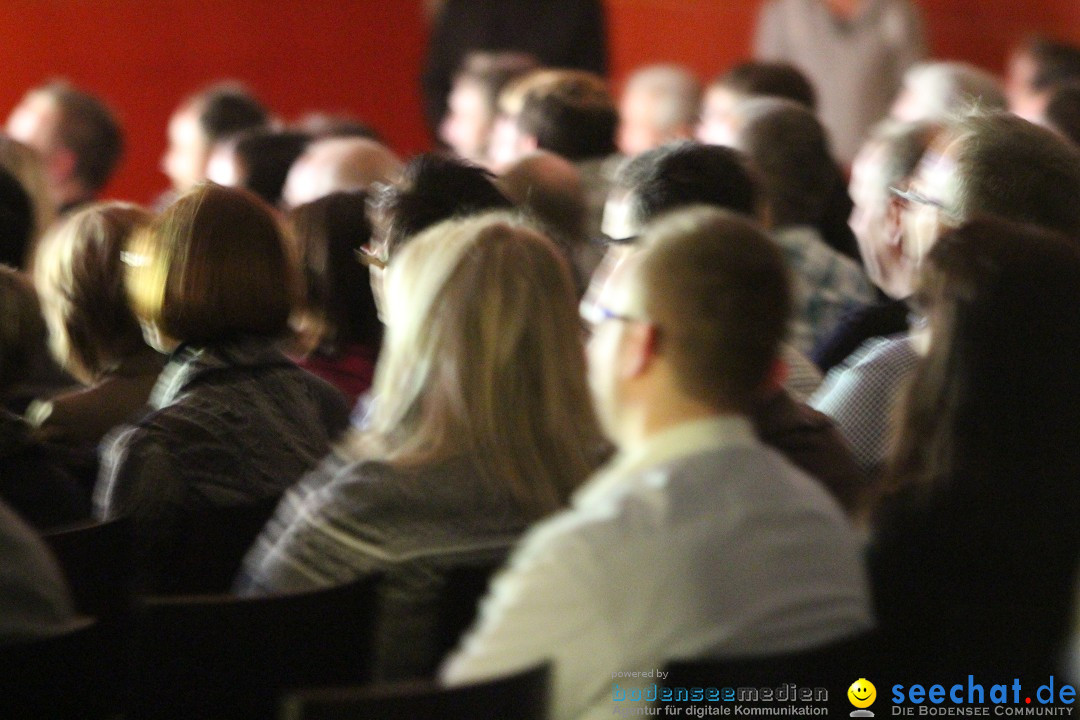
(696, 539)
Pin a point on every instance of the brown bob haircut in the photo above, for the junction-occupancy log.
(213, 268)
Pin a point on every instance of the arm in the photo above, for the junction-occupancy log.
(768, 36)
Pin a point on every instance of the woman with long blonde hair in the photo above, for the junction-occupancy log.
(481, 425)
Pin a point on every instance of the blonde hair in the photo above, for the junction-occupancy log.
(80, 278)
(483, 358)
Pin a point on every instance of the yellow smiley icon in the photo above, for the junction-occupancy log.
(862, 693)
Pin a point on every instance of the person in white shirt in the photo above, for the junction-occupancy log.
(696, 539)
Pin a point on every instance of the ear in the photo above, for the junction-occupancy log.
(777, 376)
(60, 164)
(894, 223)
(527, 143)
(640, 345)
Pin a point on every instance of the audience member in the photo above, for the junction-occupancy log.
(558, 33)
(672, 389)
(995, 164)
(854, 51)
(886, 160)
(939, 91)
(683, 174)
(788, 146)
(473, 103)
(1034, 67)
(338, 164)
(16, 222)
(78, 137)
(93, 334)
(233, 422)
(324, 125)
(747, 80)
(339, 324)
(32, 480)
(203, 119)
(256, 160)
(659, 105)
(481, 426)
(974, 561)
(27, 165)
(1062, 114)
(34, 599)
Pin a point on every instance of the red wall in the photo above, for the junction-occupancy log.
(363, 56)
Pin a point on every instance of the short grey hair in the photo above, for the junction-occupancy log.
(949, 89)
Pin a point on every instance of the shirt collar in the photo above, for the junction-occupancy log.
(689, 438)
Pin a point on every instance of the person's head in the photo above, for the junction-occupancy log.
(570, 113)
(77, 135)
(742, 82)
(338, 164)
(991, 411)
(473, 101)
(257, 160)
(1062, 114)
(16, 221)
(659, 105)
(942, 90)
(483, 357)
(213, 268)
(22, 330)
(338, 307)
(689, 325)
(27, 165)
(789, 147)
(996, 164)
(680, 174)
(202, 120)
(79, 275)
(887, 160)
(1035, 66)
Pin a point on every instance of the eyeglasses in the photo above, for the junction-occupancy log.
(917, 197)
(592, 316)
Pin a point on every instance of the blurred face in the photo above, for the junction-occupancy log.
(934, 184)
(1022, 99)
(717, 117)
(507, 143)
(869, 217)
(606, 310)
(186, 157)
(223, 166)
(468, 121)
(638, 130)
(33, 122)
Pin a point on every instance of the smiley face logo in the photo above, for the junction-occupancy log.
(862, 693)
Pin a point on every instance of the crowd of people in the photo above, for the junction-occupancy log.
(702, 395)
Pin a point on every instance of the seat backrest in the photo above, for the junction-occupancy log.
(223, 656)
(465, 585)
(521, 696)
(62, 676)
(96, 558)
(831, 667)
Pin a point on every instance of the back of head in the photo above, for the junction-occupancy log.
(328, 232)
(942, 90)
(1063, 111)
(16, 221)
(79, 275)
(338, 164)
(571, 114)
(90, 130)
(1009, 167)
(718, 290)
(27, 165)
(21, 327)
(435, 187)
(769, 79)
(788, 146)
(688, 173)
(483, 358)
(264, 157)
(1055, 62)
(550, 188)
(227, 108)
(213, 268)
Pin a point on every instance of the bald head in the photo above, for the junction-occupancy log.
(339, 165)
(550, 187)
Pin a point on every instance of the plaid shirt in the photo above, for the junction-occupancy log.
(827, 285)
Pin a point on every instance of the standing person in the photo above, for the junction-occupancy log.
(854, 51)
(696, 539)
(233, 422)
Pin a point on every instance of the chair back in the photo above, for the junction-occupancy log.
(62, 676)
(831, 668)
(229, 657)
(521, 696)
(96, 558)
(465, 585)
